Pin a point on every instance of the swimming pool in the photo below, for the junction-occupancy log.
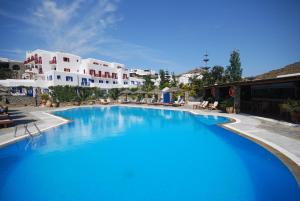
(125, 154)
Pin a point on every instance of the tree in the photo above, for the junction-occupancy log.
(164, 81)
(114, 93)
(217, 74)
(207, 78)
(5, 73)
(234, 71)
(174, 81)
(196, 87)
(148, 85)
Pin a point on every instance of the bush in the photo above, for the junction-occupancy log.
(45, 97)
(69, 93)
(291, 106)
(114, 93)
(226, 103)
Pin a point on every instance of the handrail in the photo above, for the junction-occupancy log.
(27, 131)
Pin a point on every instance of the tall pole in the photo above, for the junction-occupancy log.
(206, 59)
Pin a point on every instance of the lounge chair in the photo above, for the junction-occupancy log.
(178, 103)
(214, 106)
(3, 116)
(203, 105)
(197, 106)
(6, 122)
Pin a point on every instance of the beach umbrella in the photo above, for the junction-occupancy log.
(4, 93)
(173, 89)
(126, 92)
(155, 91)
(3, 89)
(139, 92)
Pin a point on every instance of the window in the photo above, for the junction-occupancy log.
(105, 65)
(92, 72)
(107, 81)
(69, 78)
(50, 77)
(66, 59)
(114, 75)
(67, 69)
(125, 83)
(95, 63)
(115, 82)
(106, 74)
(132, 82)
(58, 77)
(100, 81)
(91, 80)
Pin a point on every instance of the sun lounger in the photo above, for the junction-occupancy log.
(178, 103)
(197, 106)
(3, 116)
(6, 122)
(214, 106)
(205, 105)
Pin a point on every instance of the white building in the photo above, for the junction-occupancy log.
(58, 68)
(185, 78)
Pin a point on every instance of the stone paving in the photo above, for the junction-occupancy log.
(282, 136)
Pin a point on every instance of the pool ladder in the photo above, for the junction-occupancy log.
(27, 131)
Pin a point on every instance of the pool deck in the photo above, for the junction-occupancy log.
(281, 138)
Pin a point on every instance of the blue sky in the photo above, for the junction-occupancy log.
(156, 34)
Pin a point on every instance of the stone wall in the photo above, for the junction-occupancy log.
(20, 100)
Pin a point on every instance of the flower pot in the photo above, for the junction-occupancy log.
(230, 109)
(295, 117)
(48, 103)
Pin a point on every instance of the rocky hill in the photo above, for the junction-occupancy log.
(289, 69)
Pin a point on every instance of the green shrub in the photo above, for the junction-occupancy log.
(114, 93)
(45, 97)
(226, 103)
(291, 106)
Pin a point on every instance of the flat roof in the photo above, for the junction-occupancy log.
(259, 82)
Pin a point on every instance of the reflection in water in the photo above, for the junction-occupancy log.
(88, 124)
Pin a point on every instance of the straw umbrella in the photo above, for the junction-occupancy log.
(4, 91)
(126, 92)
(173, 89)
(155, 91)
(139, 92)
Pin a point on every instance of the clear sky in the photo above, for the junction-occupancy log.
(168, 34)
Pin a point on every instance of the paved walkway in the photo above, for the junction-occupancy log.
(282, 136)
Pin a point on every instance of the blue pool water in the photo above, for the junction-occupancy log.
(134, 154)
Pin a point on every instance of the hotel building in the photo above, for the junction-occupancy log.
(45, 68)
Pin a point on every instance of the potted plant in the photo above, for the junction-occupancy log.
(55, 102)
(227, 105)
(293, 107)
(45, 98)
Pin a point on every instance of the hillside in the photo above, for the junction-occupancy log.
(289, 69)
(195, 70)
